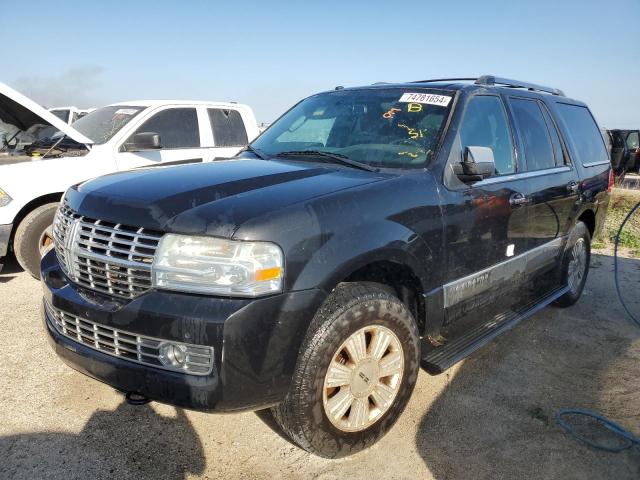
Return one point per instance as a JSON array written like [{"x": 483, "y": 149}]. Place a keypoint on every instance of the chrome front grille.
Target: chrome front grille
[
  {"x": 127, "y": 345},
  {"x": 107, "y": 257}
]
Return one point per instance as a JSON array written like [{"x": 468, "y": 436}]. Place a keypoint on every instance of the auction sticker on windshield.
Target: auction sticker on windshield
[{"x": 426, "y": 98}]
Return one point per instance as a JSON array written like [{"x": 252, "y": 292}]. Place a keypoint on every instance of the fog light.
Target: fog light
[{"x": 173, "y": 355}]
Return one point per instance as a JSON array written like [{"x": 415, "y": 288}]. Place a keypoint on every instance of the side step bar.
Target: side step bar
[{"x": 441, "y": 358}]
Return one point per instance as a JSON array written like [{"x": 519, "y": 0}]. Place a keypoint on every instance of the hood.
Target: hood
[
  {"x": 210, "y": 198},
  {"x": 22, "y": 112}
]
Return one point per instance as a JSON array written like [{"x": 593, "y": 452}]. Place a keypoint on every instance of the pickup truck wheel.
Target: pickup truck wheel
[
  {"x": 355, "y": 373},
  {"x": 575, "y": 266},
  {"x": 33, "y": 237}
]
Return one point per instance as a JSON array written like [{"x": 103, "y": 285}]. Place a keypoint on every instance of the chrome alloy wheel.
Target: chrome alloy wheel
[
  {"x": 363, "y": 378},
  {"x": 577, "y": 265}
]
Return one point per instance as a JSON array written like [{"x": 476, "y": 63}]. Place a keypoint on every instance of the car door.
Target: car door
[
  {"x": 553, "y": 190},
  {"x": 618, "y": 150},
  {"x": 486, "y": 223},
  {"x": 228, "y": 130},
  {"x": 179, "y": 132},
  {"x": 633, "y": 147}
]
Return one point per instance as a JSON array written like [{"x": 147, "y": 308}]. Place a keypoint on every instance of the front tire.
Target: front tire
[
  {"x": 575, "y": 265},
  {"x": 355, "y": 374},
  {"x": 33, "y": 237}
]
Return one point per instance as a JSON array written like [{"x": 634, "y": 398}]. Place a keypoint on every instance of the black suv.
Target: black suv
[{"x": 367, "y": 233}]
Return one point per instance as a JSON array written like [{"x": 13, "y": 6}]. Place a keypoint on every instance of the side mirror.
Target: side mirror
[
  {"x": 144, "y": 141},
  {"x": 478, "y": 163}
]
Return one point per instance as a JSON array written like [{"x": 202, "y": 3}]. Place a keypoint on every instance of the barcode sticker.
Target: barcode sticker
[{"x": 426, "y": 98}]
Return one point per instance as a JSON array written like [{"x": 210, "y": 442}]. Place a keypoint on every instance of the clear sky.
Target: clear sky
[{"x": 270, "y": 54}]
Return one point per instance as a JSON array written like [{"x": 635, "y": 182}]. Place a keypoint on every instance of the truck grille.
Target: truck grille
[
  {"x": 103, "y": 256},
  {"x": 126, "y": 345}
]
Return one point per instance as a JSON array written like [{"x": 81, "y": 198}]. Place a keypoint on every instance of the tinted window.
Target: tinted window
[
  {"x": 534, "y": 133},
  {"x": 178, "y": 127},
  {"x": 228, "y": 128},
  {"x": 616, "y": 139},
  {"x": 633, "y": 142},
  {"x": 555, "y": 137},
  {"x": 584, "y": 133},
  {"x": 485, "y": 125}
]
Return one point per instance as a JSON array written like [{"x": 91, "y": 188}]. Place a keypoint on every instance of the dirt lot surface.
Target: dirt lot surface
[{"x": 490, "y": 417}]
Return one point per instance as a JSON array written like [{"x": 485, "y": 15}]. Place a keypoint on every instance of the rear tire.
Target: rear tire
[
  {"x": 355, "y": 373},
  {"x": 575, "y": 265},
  {"x": 33, "y": 237}
]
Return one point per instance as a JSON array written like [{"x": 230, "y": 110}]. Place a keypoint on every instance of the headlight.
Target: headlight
[
  {"x": 217, "y": 266},
  {"x": 5, "y": 199}
]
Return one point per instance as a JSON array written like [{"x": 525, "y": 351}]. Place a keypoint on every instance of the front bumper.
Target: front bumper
[
  {"x": 255, "y": 341},
  {"x": 5, "y": 234}
]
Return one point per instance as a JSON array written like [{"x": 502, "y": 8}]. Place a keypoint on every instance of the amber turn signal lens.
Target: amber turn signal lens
[{"x": 268, "y": 274}]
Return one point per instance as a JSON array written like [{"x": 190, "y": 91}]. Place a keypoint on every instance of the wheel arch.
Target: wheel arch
[
  {"x": 588, "y": 217},
  {"x": 400, "y": 278},
  {"x": 29, "y": 207},
  {"x": 394, "y": 268}
]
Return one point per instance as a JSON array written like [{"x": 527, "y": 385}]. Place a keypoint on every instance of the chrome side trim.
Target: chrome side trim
[
  {"x": 595, "y": 164},
  {"x": 520, "y": 176},
  {"x": 508, "y": 270}
]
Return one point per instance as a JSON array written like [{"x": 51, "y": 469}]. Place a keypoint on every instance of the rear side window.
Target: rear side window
[
  {"x": 228, "y": 128},
  {"x": 534, "y": 133},
  {"x": 633, "y": 142},
  {"x": 555, "y": 137},
  {"x": 178, "y": 127},
  {"x": 584, "y": 133},
  {"x": 485, "y": 125}
]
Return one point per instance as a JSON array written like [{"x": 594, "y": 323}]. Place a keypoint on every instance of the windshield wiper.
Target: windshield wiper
[
  {"x": 260, "y": 154},
  {"x": 335, "y": 157}
]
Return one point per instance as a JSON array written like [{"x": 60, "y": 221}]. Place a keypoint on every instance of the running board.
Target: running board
[{"x": 439, "y": 359}]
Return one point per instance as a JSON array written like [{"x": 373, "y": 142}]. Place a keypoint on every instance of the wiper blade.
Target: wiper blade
[
  {"x": 261, "y": 155},
  {"x": 335, "y": 157}
]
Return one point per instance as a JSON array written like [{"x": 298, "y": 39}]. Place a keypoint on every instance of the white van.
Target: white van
[{"x": 34, "y": 173}]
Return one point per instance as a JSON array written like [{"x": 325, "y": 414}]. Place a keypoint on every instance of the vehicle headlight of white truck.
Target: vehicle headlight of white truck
[{"x": 5, "y": 199}]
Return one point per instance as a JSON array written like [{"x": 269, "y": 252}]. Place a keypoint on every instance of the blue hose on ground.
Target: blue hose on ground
[
  {"x": 615, "y": 265},
  {"x": 627, "y": 439}
]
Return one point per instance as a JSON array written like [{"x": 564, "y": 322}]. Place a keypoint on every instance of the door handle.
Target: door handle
[
  {"x": 518, "y": 199},
  {"x": 573, "y": 187}
]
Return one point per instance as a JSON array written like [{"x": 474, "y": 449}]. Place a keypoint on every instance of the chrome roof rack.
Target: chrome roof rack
[
  {"x": 460, "y": 79},
  {"x": 491, "y": 80}
]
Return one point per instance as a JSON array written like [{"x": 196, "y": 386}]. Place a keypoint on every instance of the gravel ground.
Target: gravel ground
[{"x": 489, "y": 417}]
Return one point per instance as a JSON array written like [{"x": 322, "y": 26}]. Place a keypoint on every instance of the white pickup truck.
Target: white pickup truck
[{"x": 122, "y": 136}]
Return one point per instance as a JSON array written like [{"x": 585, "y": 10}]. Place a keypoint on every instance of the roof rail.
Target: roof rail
[
  {"x": 490, "y": 80},
  {"x": 445, "y": 80}
]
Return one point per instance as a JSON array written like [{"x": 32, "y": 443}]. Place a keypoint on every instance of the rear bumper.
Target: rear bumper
[
  {"x": 255, "y": 341},
  {"x": 5, "y": 234}
]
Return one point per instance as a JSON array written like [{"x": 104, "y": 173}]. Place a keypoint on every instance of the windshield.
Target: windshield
[
  {"x": 103, "y": 123},
  {"x": 391, "y": 127}
]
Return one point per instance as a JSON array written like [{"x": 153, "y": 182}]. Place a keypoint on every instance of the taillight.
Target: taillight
[{"x": 611, "y": 179}]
